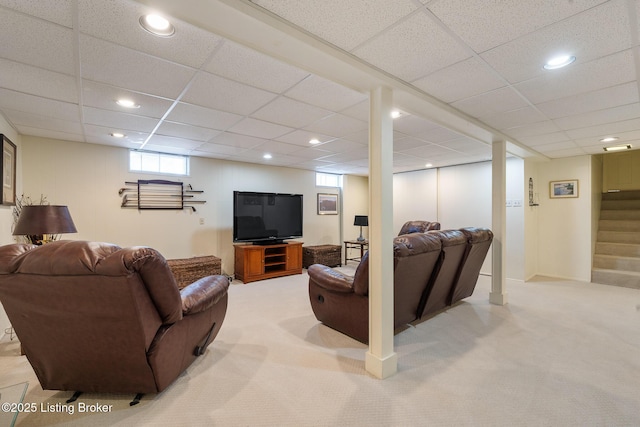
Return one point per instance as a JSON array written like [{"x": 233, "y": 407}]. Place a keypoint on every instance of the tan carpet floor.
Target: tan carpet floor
[{"x": 561, "y": 353}]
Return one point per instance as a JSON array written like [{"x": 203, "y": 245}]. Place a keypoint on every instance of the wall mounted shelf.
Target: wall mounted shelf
[{"x": 157, "y": 194}]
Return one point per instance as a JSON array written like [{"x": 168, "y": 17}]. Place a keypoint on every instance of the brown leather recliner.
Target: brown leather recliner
[
  {"x": 342, "y": 302},
  {"x": 418, "y": 226},
  {"x": 95, "y": 317}
]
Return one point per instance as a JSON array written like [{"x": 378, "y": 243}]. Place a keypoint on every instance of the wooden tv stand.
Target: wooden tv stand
[{"x": 258, "y": 262}]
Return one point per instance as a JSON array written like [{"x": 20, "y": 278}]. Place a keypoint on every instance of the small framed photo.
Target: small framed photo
[
  {"x": 327, "y": 204},
  {"x": 563, "y": 189},
  {"x": 8, "y": 171}
]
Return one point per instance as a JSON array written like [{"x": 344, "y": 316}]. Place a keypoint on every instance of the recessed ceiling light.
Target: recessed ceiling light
[
  {"x": 559, "y": 62},
  {"x": 395, "y": 114},
  {"x": 157, "y": 25},
  {"x": 618, "y": 147},
  {"x": 429, "y": 165},
  {"x": 267, "y": 156},
  {"x": 117, "y": 135},
  {"x": 609, "y": 139},
  {"x": 314, "y": 141},
  {"x": 127, "y": 103}
]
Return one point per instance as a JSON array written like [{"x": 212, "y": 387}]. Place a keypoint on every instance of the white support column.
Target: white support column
[
  {"x": 381, "y": 360},
  {"x": 498, "y": 294}
]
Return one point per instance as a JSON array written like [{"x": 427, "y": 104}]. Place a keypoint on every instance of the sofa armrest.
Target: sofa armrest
[
  {"x": 203, "y": 294},
  {"x": 330, "y": 279}
]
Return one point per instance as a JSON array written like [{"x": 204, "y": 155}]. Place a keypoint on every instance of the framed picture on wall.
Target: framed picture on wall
[
  {"x": 563, "y": 189},
  {"x": 327, "y": 204},
  {"x": 8, "y": 171}
]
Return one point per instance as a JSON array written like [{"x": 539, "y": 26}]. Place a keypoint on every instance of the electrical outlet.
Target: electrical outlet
[{"x": 201, "y": 221}]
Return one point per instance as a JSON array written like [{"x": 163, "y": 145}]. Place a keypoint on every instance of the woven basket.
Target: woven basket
[
  {"x": 329, "y": 255},
  {"x": 188, "y": 270}
]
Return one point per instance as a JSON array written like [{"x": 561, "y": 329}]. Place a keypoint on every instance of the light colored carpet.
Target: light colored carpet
[{"x": 561, "y": 353}]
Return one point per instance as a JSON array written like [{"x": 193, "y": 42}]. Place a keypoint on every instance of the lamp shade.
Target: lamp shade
[
  {"x": 44, "y": 219},
  {"x": 361, "y": 220}
]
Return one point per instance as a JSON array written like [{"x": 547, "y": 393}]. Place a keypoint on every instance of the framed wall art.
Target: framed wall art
[
  {"x": 327, "y": 204},
  {"x": 8, "y": 171},
  {"x": 563, "y": 189}
]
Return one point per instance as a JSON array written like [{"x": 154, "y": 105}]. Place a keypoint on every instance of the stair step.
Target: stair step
[
  {"x": 619, "y": 225},
  {"x": 618, "y": 237},
  {"x": 619, "y": 249},
  {"x": 614, "y": 262},
  {"x": 621, "y": 204},
  {"x": 627, "y": 279},
  {"x": 623, "y": 214},
  {"x": 622, "y": 195}
]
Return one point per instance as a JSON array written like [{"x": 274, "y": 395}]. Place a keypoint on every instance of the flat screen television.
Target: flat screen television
[{"x": 264, "y": 218}]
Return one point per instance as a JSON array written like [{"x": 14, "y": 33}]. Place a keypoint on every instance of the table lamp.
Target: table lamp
[
  {"x": 36, "y": 222},
  {"x": 362, "y": 221}
]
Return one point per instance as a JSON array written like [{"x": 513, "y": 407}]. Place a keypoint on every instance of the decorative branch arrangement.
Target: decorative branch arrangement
[{"x": 159, "y": 194}]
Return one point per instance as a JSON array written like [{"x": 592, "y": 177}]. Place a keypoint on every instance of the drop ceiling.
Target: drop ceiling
[{"x": 240, "y": 79}]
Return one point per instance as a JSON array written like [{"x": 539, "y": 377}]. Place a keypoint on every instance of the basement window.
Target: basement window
[
  {"x": 328, "y": 180},
  {"x": 149, "y": 161}
]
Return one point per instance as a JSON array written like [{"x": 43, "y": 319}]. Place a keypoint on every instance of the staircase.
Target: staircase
[{"x": 617, "y": 257}]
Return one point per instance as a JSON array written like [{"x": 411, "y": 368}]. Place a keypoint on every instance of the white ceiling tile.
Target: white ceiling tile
[
  {"x": 337, "y": 125},
  {"x": 341, "y": 145},
  {"x": 103, "y": 62},
  {"x": 326, "y": 94},
  {"x": 492, "y": 102},
  {"x": 50, "y": 133},
  {"x": 359, "y": 111},
  {"x": 437, "y": 134},
  {"x": 54, "y": 50},
  {"x": 413, "y": 48},
  {"x": 37, "y": 105},
  {"x": 239, "y": 63},
  {"x": 36, "y": 81},
  {"x": 606, "y": 129},
  {"x": 595, "y": 33},
  {"x": 105, "y": 96},
  {"x": 568, "y": 152},
  {"x": 56, "y": 11},
  {"x": 549, "y": 138},
  {"x": 311, "y": 153},
  {"x": 118, "y": 120},
  {"x": 220, "y": 149},
  {"x": 515, "y": 118},
  {"x": 458, "y": 81},
  {"x": 235, "y": 140},
  {"x": 21, "y": 118},
  {"x": 180, "y": 130},
  {"x": 302, "y": 137},
  {"x": 189, "y": 45},
  {"x": 497, "y": 22},
  {"x": 259, "y": 128},
  {"x": 203, "y": 117},
  {"x": 412, "y": 125},
  {"x": 209, "y": 90},
  {"x": 591, "y": 101},
  {"x": 408, "y": 143},
  {"x": 625, "y": 112},
  {"x": 540, "y": 128},
  {"x": 289, "y": 112},
  {"x": 101, "y": 134},
  {"x": 170, "y": 141},
  {"x": 278, "y": 147},
  {"x": 326, "y": 18},
  {"x": 580, "y": 78}
]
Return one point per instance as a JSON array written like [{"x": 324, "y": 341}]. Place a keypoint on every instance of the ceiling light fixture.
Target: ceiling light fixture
[
  {"x": 429, "y": 165},
  {"x": 314, "y": 141},
  {"x": 559, "y": 62},
  {"x": 395, "y": 114},
  {"x": 618, "y": 147},
  {"x": 127, "y": 103},
  {"x": 157, "y": 25},
  {"x": 609, "y": 139},
  {"x": 117, "y": 135},
  {"x": 267, "y": 156}
]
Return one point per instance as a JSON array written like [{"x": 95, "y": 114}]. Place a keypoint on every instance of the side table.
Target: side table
[{"x": 354, "y": 244}]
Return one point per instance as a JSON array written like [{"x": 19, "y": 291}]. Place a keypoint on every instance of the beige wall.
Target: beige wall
[
  {"x": 621, "y": 171},
  {"x": 86, "y": 177}
]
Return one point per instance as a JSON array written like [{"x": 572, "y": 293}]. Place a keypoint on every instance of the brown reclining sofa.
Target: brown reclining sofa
[
  {"x": 94, "y": 317},
  {"x": 432, "y": 271}
]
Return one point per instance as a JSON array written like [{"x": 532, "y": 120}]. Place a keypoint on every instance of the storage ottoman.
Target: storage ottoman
[
  {"x": 329, "y": 255},
  {"x": 188, "y": 270}
]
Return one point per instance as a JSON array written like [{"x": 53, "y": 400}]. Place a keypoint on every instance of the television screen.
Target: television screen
[{"x": 266, "y": 217}]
